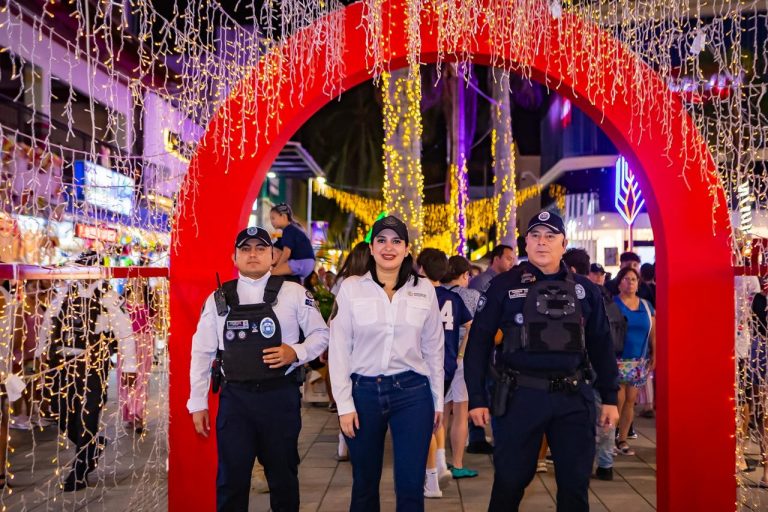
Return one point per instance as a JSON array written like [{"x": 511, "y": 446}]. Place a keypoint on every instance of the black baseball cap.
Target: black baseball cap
[
  {"x": 253, "y": 233},
  {"x": 548, "y": 220},
  {"x": 393, "y": 223},
  {"x": 596, "y": 268}
]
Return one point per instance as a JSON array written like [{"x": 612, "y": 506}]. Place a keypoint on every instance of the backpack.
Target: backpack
[{"x": 616, "y": 321}]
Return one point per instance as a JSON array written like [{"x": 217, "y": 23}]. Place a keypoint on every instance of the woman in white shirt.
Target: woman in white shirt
[{"x": 386, "y": 365}]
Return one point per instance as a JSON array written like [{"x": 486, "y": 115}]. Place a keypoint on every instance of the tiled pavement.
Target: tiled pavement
[
  {"x": 128, "y": 482},
  {"x": 326, "y": 484}
]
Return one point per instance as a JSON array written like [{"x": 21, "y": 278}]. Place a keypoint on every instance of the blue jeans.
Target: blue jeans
[
  {"x": 402, "y": 402},
  {"x": 604, "y": 439}
]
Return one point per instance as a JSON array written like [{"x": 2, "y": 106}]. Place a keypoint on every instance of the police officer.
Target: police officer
[
  {"x": 554, "y": 325},
  {"x": 84, "y": 326},
  {"x": 250, "y": 329}
]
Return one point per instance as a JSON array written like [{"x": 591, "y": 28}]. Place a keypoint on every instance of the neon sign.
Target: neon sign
[{"x": 629, "y": 200}]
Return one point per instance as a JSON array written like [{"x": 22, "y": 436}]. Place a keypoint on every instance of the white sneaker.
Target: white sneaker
[
  {"x": 432, "y": 493},
  {"x": 444, "y": 478},
  {"x": 20, "y": 423}
]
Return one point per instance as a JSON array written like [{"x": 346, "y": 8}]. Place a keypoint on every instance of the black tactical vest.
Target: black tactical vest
[
  {"x": 551, "y": 319},
  {"x": 248, "y": 330},
  {"x": 75, "y": 324}
]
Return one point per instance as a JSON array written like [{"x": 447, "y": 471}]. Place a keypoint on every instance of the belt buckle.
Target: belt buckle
[{"x": 556, "y": 384}]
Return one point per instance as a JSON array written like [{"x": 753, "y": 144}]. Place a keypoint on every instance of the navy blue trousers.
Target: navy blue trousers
[
  {"x": 403, "y": 403},
  {"x": 568, "y": 420},
  {"x": 263, "y": 424}
]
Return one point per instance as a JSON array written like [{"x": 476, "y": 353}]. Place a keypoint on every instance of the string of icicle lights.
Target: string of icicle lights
[{"x": 184, "y": 65}]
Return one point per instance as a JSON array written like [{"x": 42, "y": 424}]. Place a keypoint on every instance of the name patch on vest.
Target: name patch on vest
[
  {"x": 267, "y": 327},
  {"x": 417, "y": 294},
  {"x": 237, "y": 324},
  {"x": 518, "y": 293}
]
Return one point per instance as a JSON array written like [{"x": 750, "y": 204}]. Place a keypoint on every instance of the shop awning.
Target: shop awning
[{"x": 295, "y": 162}]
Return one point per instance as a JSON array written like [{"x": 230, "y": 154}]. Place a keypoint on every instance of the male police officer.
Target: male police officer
[
  {"x": 554, "y": 325},
  {"x": 251, "y": 327}
]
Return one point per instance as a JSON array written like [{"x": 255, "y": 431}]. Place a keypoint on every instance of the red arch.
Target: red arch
[{"x": 695, "y": 465}]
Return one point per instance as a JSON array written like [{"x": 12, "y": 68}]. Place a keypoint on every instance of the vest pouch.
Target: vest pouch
[
  {"x": 553, "y": 319},
  {"x": 513, "y": 339},
  {"x": 248, "y": 331}
]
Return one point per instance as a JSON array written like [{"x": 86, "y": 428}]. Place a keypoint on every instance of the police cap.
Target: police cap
[
  {"x": 253, "y": 233},
  {"x": 548, "y": 220},
  {"x": 393, "y": 223}
]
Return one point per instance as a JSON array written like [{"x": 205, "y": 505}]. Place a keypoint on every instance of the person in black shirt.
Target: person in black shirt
[
  {"x": 543, "y": 379},
  {"x": 293, "y": 251}
]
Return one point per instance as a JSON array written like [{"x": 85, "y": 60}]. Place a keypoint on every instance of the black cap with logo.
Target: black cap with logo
[
  {"x": 393, "y": 223},
  {"x": 548, "y": 220},
  {"x": 253, "y": 233},
  {"x": 596, "y": 268}
]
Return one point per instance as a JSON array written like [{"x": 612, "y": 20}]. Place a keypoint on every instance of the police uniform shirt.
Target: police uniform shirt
[
  {"x": 111, "y": 319},
  {"x": 295, "y": 309},
  {"x": 502, "y": 305},
  {"x": 371, "y": 336}
]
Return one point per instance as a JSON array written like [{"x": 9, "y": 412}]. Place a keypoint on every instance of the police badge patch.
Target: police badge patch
[
  {"x": 267, "y": 327},
  {"x": 544, "y": 216},
  {"x": 481, "y": 302},
  {"x": 241, "y": 335},
  {"x": 518, "y": 293},
  {"x": 580, "y": 292},
  {"x": 519, "y": 319},
  {"x": 252, "y": 231},
  {"x": 230, "y": 335}
]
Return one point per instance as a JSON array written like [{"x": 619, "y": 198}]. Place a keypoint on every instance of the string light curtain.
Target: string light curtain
[{"x": 129, "y": 58}]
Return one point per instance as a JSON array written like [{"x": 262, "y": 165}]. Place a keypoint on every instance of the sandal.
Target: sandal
[{"x": 624, "y": 448}]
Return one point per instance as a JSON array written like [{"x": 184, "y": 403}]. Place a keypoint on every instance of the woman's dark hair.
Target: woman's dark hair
[
  {"x": 356, "y": 263},
  {"x": 457, "y": 266},
  {"x": 624, "y": 271},
  {"x": 406, "y": 272}
]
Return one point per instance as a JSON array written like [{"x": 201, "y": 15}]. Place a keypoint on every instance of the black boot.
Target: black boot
[
  {"x": 604, "y": 474},
  {"x": 95, "y": 454},
  {"x": 480, "y": 447},
  {"x": 73, "y": 483}
]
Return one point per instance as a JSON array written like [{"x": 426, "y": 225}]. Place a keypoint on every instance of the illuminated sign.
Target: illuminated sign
[
  {"x": 629, "y": 199},
  {"x": 745, "y": 207},
  {"x": 104, "y": 188},
  {"x": 177, "y": 147},
  {"x": 95, "y": 233}
]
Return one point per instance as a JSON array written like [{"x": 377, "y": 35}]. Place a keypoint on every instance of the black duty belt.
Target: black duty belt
[
  {"x": 554, "y": 384},
  {"x": 257, "y": 386}
]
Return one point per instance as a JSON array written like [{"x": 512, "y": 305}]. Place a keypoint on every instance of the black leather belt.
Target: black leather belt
[
  {"x": 262, "y": 385},
  {"x": 569, "y": 383}
]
